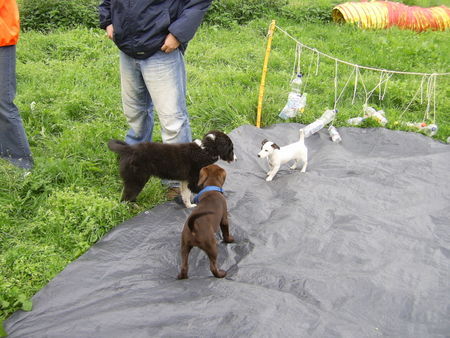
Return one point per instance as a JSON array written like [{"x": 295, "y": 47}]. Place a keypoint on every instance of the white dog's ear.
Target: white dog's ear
[
  {"x": 275, "y": 146},
  {"x": 264, "y": 141}
]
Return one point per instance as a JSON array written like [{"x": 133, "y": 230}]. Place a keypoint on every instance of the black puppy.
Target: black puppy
[{"x": 176, "y": 161}]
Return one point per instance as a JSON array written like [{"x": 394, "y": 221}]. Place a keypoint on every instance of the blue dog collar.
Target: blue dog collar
[{"x": 206, "y": 189}]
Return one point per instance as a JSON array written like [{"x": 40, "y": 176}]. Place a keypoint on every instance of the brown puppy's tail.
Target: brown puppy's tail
[
  {"x": 193, "y": 217},
  {"x": 119, "y": 147}
]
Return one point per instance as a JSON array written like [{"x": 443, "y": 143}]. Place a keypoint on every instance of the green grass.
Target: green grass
[{"x": 71, "y": 198}]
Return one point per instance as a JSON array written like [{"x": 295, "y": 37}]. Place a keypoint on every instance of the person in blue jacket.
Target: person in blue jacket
[{"x": 152, "y": 36}]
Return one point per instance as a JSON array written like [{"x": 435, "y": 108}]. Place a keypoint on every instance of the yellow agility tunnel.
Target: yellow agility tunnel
[{"x": 385, "y": 14}]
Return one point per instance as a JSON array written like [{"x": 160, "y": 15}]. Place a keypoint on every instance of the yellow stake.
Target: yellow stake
[{"x": 263, "y": 77}]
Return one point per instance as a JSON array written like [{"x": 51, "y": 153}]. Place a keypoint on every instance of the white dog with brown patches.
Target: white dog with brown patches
[{"x": 277, "y": 156}]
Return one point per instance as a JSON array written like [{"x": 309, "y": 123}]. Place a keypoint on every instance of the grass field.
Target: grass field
[{"x": 71, "y": 198}]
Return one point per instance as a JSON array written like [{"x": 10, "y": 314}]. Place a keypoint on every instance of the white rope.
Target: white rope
[
  {"x": 420, "y": 89},
  {"x": 379, "y": 85},
  {"x": 356, "y": 83},
  {"x": 434, "y": 100},
  {"x": 355, "y": 65},
  {"x": 335, "y": 83},
  {"x": 385, "y": 86},
  {"x": 364, "y": 86},
  {"x": 385, "y": 75},
  {"x": 318, "y": 61},
  {"x": 380, "y": 81},
  {"x": 299, "y": 51},
  {"x": 308, "y": 73},
  {"x": 343, "y": 89},
  {"x": 429, "y": 84},
  {"x": 431, "y": 97},
  {"x": 295, "y": 62}
]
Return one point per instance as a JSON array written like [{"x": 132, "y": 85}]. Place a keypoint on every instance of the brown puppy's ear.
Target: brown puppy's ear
[
  {"x": 275, "y": 146},
  {"x": 222, "y": 176},
  {"x": 264, "y": 141},
  {"x": 203, "y": 176}
]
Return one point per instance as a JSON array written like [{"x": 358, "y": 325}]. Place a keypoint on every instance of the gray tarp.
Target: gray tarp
[{"x": 359, "y": 246}]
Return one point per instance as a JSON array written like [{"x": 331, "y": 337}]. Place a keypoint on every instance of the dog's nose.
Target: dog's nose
[{"x": 259, "y": 155}]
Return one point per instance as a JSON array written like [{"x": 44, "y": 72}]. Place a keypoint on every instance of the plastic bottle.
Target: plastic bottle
[
  {"x": 302, "y": 103},
  {"x": 313, "y": 127},
  {"x": 429, "y": 129},
  {"x": 334, "y": 134},
  {"x": 368, "y": 111},
  {"x": 296, "y": 101},
  {"x": 292, "y": 106},
  {"x": 376, "y": 115},
  {"x": 318, "y": 124},
  {"x": 379, "y": 117},
  {"x": 296, "y": 84},
  {"x": 356, "y": 121},
  {"x": 328, "y": 115}
]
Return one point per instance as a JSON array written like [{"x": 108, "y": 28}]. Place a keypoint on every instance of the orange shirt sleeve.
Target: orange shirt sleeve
[{"x": 9, "y": 22}]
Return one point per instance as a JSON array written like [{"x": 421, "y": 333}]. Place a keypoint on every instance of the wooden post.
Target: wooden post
[{"x": 264, "y": 71}]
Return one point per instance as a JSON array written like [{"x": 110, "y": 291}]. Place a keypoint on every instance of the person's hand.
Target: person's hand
[
  {"x": 110, "y": 31},
  {"x": 170, "y": 44}
]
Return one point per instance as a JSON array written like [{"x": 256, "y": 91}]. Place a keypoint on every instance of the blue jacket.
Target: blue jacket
[{"x": 141, "y": 26}]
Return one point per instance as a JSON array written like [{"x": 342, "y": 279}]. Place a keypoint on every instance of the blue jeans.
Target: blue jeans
[
  {"x": 14, "y": 145},
  {"x": 156, "y": 83}
]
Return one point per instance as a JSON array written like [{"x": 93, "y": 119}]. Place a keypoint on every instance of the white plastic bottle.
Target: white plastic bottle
[
  {"x": 334, "y": 134},
  {"x": 376, "y": 115},
  {"x": 328, "y": 115},
  {"x": 302, "y": 103},
  {"x": 368, "y": 111},
  {"x": 318, "y": 124},
  {"x": 313, "y": 127},
  {"x": 296, "y": 101},
  {"x": 379, "y": 118},
  {"x": 429, "y": 129},
  {"x": 296, "y": 84},
  {"x": 292, "y": 106},
  {"x": 356, "y": 121}
]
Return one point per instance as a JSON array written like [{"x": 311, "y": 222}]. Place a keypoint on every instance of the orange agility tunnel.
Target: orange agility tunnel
[{"x": 385, "y": 14}]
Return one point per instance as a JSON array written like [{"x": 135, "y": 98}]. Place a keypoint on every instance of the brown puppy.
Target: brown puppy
[{"x": 203, "y": 223}]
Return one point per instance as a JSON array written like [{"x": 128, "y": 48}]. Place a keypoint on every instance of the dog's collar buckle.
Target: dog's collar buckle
[{"x": 206, "y": 189}]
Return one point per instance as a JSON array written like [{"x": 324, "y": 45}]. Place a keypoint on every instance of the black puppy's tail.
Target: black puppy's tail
[
  {"x": 193, "y": 217},
  {"x": 118, "y": 146}
]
